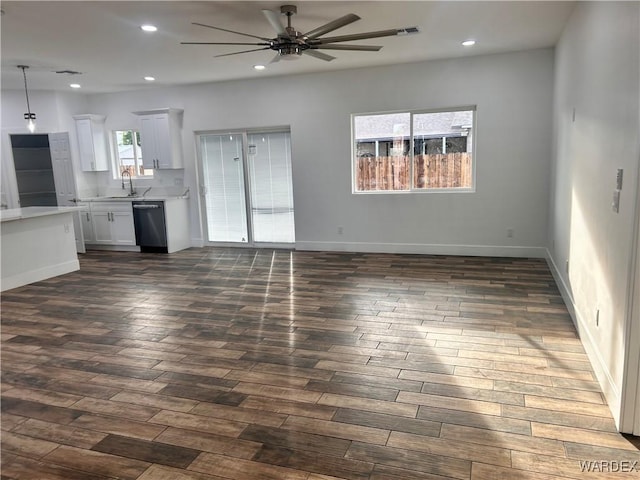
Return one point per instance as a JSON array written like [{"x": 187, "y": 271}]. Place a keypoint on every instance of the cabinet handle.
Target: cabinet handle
[
  {"x": 93, "y": 165},
  {"x": 88, "y": 219},
  {"x": 110, "y": 216}
]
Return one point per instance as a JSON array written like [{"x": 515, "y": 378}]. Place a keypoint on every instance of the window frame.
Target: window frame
[
  {"x": 138, "y": 162},
  {"x": 412, "y": 189}
]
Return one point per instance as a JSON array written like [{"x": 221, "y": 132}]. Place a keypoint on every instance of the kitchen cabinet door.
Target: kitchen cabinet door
[
  {"x": 148, "y": 142},
  {"x": 92, "y": 143},
  {"x": 164, "y": 150},
  {"x": 161, "y": 138},
  {"x": 113, "y": 223},
  {"x": 122, "y": 229},
  {"x": 102, "y": 227},
  {"x": 87, "y": 227}
]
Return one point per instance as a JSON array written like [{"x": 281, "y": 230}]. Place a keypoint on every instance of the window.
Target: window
[
  {"x": 129, "y": 154},
  {"x": 413, "y": 151}
]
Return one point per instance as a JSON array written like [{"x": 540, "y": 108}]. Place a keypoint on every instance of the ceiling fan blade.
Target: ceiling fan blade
[
  {"x": 331, "y": 26},
  {"x": 222, "y": 43},
  {"x": 243, "y": 51},
  {"x": 320, "y": 55},
  {"x": 274, "y": 19},
  {"x": 231, "y": 31},
  {"x": 364, "y": 36},
  {"x": 363, "y": 48}
]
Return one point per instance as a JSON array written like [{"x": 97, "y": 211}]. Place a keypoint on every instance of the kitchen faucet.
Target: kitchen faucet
[{"x": 132, "y": 192}]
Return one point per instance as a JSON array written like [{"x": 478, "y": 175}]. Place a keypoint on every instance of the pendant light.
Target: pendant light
[{"x": 29, "y": 116}]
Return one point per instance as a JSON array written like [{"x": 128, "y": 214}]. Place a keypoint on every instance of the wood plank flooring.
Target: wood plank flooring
[{"x": 213, "y": 364}]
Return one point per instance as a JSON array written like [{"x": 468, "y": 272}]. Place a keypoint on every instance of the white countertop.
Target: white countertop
[
  {"x": 124, "y": 198},
  {"x": 32, "y": 212}
]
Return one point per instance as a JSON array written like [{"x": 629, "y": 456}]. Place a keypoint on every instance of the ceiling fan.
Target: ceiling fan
[{"x": 290, "y": 43}]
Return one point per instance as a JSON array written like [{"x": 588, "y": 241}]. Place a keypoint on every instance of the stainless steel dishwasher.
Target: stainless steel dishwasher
[{"x": 150, "y": 225}]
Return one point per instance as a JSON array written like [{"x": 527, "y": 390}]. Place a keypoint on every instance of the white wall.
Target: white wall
[
  {"x": 513, "y": 94},
  {"x": 597, "y": 75}
]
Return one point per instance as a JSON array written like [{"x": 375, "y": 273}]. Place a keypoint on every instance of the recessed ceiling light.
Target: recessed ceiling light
[
  {"x": 149, "y": 79},
  {"x": 469, "y": 43},
  {"x": 74, "y": 85},
  {"x": 259, "y": 67},
  {"x": 149, "y": 28}
]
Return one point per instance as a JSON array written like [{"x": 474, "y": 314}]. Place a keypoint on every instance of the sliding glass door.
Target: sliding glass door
[
  {"x": 269, "y": 158},
  {"x": 224, "y": 188},
  {"x": 247, "y": 187}
]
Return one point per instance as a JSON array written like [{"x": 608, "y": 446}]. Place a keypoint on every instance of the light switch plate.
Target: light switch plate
[{"x": 619, "y": 179}]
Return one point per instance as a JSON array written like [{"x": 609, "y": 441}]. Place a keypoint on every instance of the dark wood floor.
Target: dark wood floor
[{"x": 241, "y": 364}]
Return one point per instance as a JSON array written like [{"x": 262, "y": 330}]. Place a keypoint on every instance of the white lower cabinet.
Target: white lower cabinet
[
  {"x": 109, "y": 225},
  {"x": 112, "y": 224},
  {"x": 86, "y": 220}
]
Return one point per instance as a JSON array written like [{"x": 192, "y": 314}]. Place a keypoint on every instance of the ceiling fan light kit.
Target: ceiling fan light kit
[{"x": 290, "y": 44}]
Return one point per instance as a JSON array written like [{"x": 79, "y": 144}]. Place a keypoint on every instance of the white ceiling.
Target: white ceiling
[{"x": 104, "y": 42}]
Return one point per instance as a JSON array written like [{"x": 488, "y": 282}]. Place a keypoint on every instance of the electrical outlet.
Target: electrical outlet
[
  {"x": 340, "y": 230},
  {"x": 510, "y": 232},
  {"x": 177, "y": 182},
  {"x": 615, "y": 203}
]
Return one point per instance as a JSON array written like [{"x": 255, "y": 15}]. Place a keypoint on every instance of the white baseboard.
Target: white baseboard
[
  {"x": 425, "y": 249},
  {"x": 611, "y": 391},
  {"x": 115, "y": 248},
  {"x": 197, "y": 242},
  {"x": 32, "y": 276}
]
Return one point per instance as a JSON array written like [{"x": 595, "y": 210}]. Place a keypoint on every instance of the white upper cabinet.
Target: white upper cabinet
[
  {"x": 92, "y": 143},
  {"x": 161, "y": 138}
]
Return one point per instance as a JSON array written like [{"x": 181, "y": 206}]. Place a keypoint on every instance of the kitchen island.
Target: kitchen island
[{"x": 36, "y": 243}]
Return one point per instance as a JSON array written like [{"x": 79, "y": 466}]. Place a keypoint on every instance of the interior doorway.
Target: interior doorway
[{"x": 247, "y": 187}]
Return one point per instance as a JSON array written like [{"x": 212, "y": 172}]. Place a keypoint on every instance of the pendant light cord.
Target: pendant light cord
[{"x": 26, "y": 90}]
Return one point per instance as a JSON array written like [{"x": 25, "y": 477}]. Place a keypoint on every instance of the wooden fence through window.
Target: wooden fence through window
[{"x": 451, "y": 170}]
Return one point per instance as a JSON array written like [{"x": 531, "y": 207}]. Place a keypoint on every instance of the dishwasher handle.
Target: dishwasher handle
[{"x": 145, "y": 207}]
